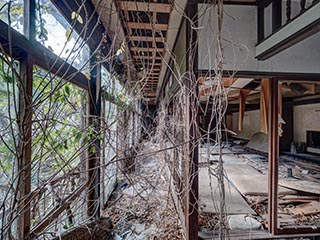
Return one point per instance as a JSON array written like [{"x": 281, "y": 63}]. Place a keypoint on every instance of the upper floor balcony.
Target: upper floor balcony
[{"x": 282, "y": 24}]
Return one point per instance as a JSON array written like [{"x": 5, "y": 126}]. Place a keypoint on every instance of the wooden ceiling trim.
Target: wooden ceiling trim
[
  {"x": 147, "y": 26},
  {"x": 147, "y": 39},
  {"x": 147, "y": 64},
  {"x": 227, "y": 82},
  {"x": 144, "y": 49},
  {"x": 145, "y": 6},
  {"x": 147, "y": 57}
]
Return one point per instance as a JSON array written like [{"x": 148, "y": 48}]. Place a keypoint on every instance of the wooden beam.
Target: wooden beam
[
  {"x": 231, "y": 2},
  {"x": 144, "y": 6},
  {"x": 260, "y": 74},
  {"x": 145, "y": 63},
  {"x": 147, "y": 26},
  {"x": 227, "y": 83},
  {"x": 25, "y": 124},
  {"x": 146, "y": 57},
  {"x": 144, "y": 49},
  {"x": 242, "y": 106},
  {"x": 192, "y": 183},
  {"x": 41, "y": 56},
  {"x": 317, "y": 82},
  {"x": 147, "y": 39},
  {"x": 152, "y": 94}
]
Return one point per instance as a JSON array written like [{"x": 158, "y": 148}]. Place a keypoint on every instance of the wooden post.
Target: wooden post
[
  {"x": 260, "y": 23},
  {"x": 273, "y": 156},
  {"x": 191, "y": 208},
  {"x": 25, "y": 129},
  {"x": 25, "y": 125},
  {"x": 288, "y": 10},
  {"x": 276, "y": 15},
  {"x": 242, "y": 106},
  {"x": 93, "y": 166}
]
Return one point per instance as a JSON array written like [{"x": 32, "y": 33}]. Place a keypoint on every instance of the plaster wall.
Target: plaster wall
[
  {"x": 239, "y": 34},
  {"x": 251, "y": 124},
  {"x": 306, "y": 117}
]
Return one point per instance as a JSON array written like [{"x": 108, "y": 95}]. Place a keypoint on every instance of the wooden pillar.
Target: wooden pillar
[
  {"x": 191, "y": 208},
  {"x": 273, "y": 156},
  {"x": 25, "y": 125},
  {"x": 242, "y": 106},
  {"x": 93, "y": 165},
  {"x": 25, "y": 130}
]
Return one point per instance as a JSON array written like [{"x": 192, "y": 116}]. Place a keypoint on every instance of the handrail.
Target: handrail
[
  {"x": 54, "y": 213},
  {"x": 287, "y": 15}
]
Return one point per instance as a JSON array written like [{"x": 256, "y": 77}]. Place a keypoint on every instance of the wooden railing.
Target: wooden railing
[
  {"x": 279, "y": 18},
  {"x": 54, "y": 198},
  {"x": 302, "y": 8}
]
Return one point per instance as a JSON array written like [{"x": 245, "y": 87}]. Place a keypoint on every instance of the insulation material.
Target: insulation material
[
  {"x": 310, "y": 87},
  {"x": 281, "y": 121}
]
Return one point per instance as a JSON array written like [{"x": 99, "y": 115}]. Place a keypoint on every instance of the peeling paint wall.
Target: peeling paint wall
[
  {"x": 306, "y": 117},
  {"x": 251, "y": 124}
]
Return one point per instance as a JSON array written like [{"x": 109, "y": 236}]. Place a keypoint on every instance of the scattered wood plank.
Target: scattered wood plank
[
  {"x": 306, "y": 209},
  {"x": 301, "y": 185},
  {"x": 249, "y": 181},
  {"x": 296, "y": 197}
]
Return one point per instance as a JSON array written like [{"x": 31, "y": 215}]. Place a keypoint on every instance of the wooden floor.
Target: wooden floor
[{"x": 209, "y": 203}]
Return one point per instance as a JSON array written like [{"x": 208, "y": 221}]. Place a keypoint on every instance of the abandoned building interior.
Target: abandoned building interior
[{"x": 159, "y": 119}]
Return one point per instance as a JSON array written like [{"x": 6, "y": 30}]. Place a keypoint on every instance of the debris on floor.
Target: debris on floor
[
  {"x": 142, "y": 207},
  {"x": 247, "y": 172},
  {"x": 243, "y": 222}
]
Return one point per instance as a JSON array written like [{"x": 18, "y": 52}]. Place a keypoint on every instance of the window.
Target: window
[
  {"x": 56, "y": 33},
  {"x": 106, "y": 80},
  {"x": 8, "y": 136},
  {"x": 58, "y": 146},
  {"x": 12, "y": 10}
]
